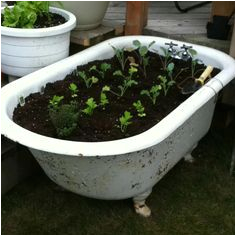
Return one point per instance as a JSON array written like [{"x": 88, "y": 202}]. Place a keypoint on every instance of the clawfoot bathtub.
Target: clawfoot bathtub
[{"x": 126, "y": 168}]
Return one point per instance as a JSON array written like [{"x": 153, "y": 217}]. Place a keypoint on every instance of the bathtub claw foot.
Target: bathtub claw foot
[
  {"x": 142, "y": 209},
  {"x": 189, "y": 158},
  {"x": 139, "y": 204}
]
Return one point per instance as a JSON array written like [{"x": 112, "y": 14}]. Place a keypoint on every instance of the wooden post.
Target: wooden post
[
  {"x": 136, "y": 17},
  {"x": 222, "y": 8}
]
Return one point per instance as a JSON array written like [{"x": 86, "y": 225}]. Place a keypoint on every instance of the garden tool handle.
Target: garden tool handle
[{"x": 206, "y": 73}]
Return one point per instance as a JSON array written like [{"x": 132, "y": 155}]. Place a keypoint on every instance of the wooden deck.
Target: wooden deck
[{"x": 166, "y": 21}]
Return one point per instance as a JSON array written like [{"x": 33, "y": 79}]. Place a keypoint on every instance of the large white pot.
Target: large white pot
[
  {"x": 126, "y": 168},
  {"x": 89, "y": 14},
  {"x": 26, "y": 50}
]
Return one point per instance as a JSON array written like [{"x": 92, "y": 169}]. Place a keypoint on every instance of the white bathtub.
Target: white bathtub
[{"x": 126, "y": 168}]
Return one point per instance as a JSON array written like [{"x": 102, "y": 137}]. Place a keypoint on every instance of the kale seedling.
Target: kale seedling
[
  {"x": 194, "y": 61},
  {"x": 120, "y": 55},
  {"x": 139, "y": 108},
  {"x": 125, "y": 120},
  {"x": 91, "y": 105},
  {"x": 167, "y": 58},
  {"x": 143, "y": 51},
  {"x": 88, "y": 81},
  {"x": 74, "y": 90},
  {"x": 153, "y": 93},
  {"x": 165, "y": 84},
  {"x": 104, "y": 67}
]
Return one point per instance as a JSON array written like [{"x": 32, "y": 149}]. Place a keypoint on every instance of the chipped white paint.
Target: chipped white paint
[
  {"x": 26, "y": 50},
  {"x": 126, "y": 168}
]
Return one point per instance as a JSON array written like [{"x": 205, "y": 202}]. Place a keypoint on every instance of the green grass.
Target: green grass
[{"x": 193, "y": 198}]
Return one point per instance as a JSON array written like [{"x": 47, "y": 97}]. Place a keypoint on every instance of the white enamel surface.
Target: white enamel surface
[
  {"x": 33, "y": 82},
  {"x": 24, "y": 51}
]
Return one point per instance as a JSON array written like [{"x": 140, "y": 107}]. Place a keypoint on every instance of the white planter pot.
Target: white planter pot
[
  {"x": 126, "y": 168},
  {"x": 26, "y": 50},
  {"x": 89, "y": 14}
]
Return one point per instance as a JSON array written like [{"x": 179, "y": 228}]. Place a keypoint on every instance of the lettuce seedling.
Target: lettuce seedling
[
  {"x": 165, "y": 84},
  {"x": 88, "y": 81},
  {"x": 153, "y": 93},
  {"x": 104, "y": 67},
  {"x": 24, "y": 13},
  {"x": 91, "y": 105},
  {"x": 139, "y": 108},
  {"x": 74, "y": 90},
  {"x": 125, "y": 121}
]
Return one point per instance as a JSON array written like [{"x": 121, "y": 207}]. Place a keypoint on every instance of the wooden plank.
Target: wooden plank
[
  {"x": 136, "y": 17},
  {"x": 90, "y": 37}
]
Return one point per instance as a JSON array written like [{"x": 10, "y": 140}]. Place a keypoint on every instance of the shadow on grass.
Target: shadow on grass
[{"x": 193, "y": 198}]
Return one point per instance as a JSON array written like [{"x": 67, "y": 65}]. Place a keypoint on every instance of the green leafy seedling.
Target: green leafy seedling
[
  {"x": 91, "y": 105},
  {"x": 64, "y": 119},
  {"x": 103, "y": 100},
  {"x": 165, "y": 84},
  {"x": 125, "y": 121},
  {"x": 88, "y": 81},
  {"x": 104, "y": 67},
  {"x": 24, "y": 13},
  {"x": 143, "y": 51},
  {"x": 55, "y": 101},
  {"x": 153, "y": 93},
  {"x": 139, "y": 108},
  {"x": 120, "y": 55},
  {"x": 74, "y": 90}
]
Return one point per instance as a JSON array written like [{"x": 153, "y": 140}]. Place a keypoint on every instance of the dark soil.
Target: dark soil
[
  {"x": 53, "y": 20},
  {"x": 102, "y": 125}
]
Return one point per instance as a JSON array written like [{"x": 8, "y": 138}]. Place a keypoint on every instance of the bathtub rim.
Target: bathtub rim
[{"x": 122, "y": 146}]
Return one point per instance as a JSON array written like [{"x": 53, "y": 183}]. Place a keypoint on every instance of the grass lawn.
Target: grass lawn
[{"x": 193, "y": 198}]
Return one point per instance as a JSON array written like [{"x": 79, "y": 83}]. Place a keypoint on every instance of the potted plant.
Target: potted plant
[
  {"x": 89, "y": 14},
  {"x": 131, "y": 160},
  {"x": 26, "y": 44}
]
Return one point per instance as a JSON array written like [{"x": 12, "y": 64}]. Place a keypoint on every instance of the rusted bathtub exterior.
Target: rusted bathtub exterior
[{"x": 126, "y": 168}]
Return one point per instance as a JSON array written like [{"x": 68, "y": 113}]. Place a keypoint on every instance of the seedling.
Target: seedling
[
  {"x": 165, "y": 84},
  {"x": 153, "y": 93},
  {"x": 74, "y": 90},
  {"x": 120, "y": 55},
  {"x": 103, "y": 100},
  {"x": 54, "y": 102},
  {"x": 125, "y": 121},
  {"x": 104, "y": 67},
  {"x": 88, "y": 81},
  {"x": 127, "y": 82},
  {"x": 167, "y": 58},
  {"x": 139, "y": 108},
  {"x": 64, "y": 118},
  {"x": 143, "y": 51},
  {"x": 170, "y": 69},
  {"x": 91, "y": 105},
  {"x": 194, "y": 61}
]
